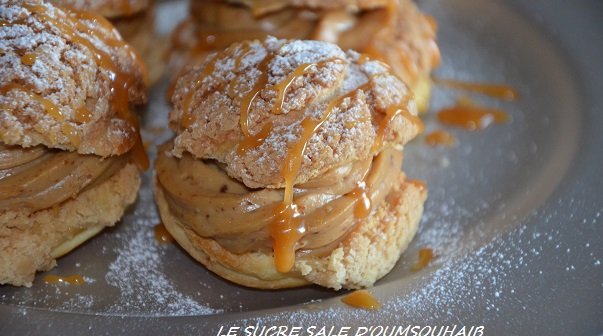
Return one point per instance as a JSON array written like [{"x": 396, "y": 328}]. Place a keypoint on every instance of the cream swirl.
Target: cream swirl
[
  {"x": 203, "y": 197},
  {"x": 39, "y": 178}
]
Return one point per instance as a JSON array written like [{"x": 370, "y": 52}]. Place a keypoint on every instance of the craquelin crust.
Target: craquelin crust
[
  {"x": 66, "y": 75},
  {"x": 27, "y": 240},
  {"x": 365, "y": 255},
  {"x": 347, "y": 135}
]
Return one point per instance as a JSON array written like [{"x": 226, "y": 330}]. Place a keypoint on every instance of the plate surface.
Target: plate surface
[{"x": 514, "y": 211}]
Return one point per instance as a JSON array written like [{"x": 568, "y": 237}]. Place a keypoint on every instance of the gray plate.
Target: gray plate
[{"x": 514, "y": 211}]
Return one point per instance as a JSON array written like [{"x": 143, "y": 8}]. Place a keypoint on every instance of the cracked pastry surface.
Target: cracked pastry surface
[
  {"x": 70, "y": 148},
  {"x": 212, "y": 116},
  {"x": 286, "y": 165},
  {"x": 67, "y": 81}
]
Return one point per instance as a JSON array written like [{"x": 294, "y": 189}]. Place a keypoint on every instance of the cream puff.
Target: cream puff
[
  {"x": 69, "y": 143},
  {"x": 285, "y": 169},
  {"x": 393, "y": 31}
]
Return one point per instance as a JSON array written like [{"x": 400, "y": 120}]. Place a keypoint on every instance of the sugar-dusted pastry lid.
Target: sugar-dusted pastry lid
[
  {"x": 268, "y": 88},
  {"x": 67, "y": 81}
]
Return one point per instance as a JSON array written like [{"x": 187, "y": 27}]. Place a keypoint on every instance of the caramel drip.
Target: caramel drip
[
  {"x": 364, "y": 58},
  {"x": 440, "y": 138},
  {"x": 121, "y": 82},
  {"x": 187, "y": 116},
  {"x": 426, "y": 255},
  {"x": 49, "y": 106},
  {"x": 250, "y": 141},
  {"x": 362, "y": 206},
  {"x": 75, "y": 280},
  {"x": 471, "y": 117},
  {"x": 248, "y": 99},
  {"x": 28, "y": 59},
  {"x": 162, "y": 236},
  {"x": 139, "y": 154},
  {"x": 71, "y": 133},
  {"x": 418, "y": 183},
  {"x": 83, "y": 115},
  {"x": 361, "y": 299},
  {"x": 254, "y": 141},
  {"x": 390, "y": 114},
  {"x": 287, "y": 228},
  {"x": 499, "y": 91}
]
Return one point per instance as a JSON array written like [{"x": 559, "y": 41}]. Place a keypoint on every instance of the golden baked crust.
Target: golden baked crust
[
  {"x": 106, "y": 8},
  {"x": 56, "y": 81},
  {"x": 30, "y": 242},
  {"x": 365, "y": 255},
  {"x": 214, "y": 107}
]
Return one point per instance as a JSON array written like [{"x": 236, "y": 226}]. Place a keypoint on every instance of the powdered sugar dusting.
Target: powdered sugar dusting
[{"x": 138, "y": 274}]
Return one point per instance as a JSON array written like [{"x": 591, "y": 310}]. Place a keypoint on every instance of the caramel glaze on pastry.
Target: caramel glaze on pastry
[
  {"x": 69, "y": 143},
  {"x": 393, "y": 31},
  {"x": 285, "y": 169}
]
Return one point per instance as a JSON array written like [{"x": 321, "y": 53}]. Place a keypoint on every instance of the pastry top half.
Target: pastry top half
[
  {"x": 106, "y": 8},
  {"x": 250, "y": 106},
  {"x": 67, "y": 81}
]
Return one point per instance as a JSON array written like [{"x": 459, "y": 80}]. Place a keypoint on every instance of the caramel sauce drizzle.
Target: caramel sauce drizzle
[
  {"x": 361, "y": 299},
  {"x": 187, "y": 116},
  {"x": 75, "y": 279},
  {"x": 254, "y": 141},
  {"x": 287, "y": 228},
  {"x": 391, "y": 113},
  {"x": 121, "y": 81},
  {"x": 283, "y": 86},
  {"x": 49, "y": 106},
  {"x": 471, "y": 117},
  {"x": 426, "y": 255},
  {"x": 162, "y": 236},
  {"x": 440, "y": 138},
  {"x": 83, "y": 115},
  {"x": 248, "y": 99},
  {"x": 362, "y": 205},
  {"x": 28, "y": 59},
  {"x": 71, "y": 133},
  {"x": 499, "y": 91}
]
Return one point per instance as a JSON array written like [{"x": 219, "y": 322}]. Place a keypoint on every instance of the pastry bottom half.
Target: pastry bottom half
[{"x": 31, "y": 242}]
